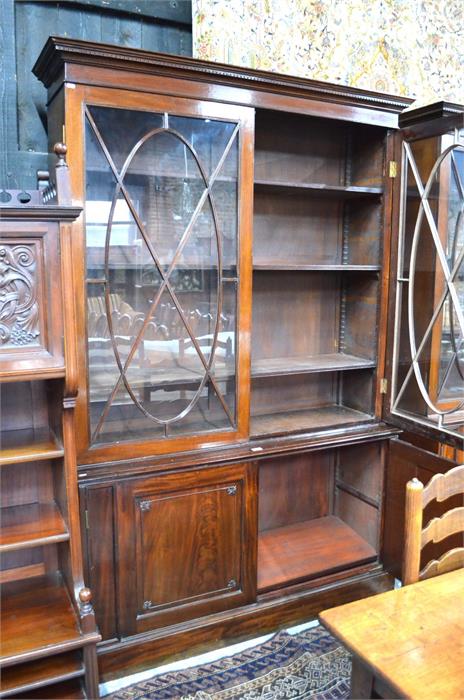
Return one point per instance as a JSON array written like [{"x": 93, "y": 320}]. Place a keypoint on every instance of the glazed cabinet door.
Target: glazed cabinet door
[
  {"x": 186, "y": 544},
  {"x": 427, "y": 367},
  {"x": 166, "y": 243}
]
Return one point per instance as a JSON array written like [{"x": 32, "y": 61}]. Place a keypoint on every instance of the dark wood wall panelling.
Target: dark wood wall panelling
[{"x": 156, "y": 25}]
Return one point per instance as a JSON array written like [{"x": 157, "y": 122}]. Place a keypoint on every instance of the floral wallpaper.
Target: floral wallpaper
[{"x": 405, "y": 47}]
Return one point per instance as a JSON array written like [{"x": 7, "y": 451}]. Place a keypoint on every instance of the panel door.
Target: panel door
[
  {"x": 30, "y": 303},
  {"x": 187, "y": 546}
]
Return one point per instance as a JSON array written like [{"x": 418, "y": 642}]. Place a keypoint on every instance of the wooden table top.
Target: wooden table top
[{"x": 411, "y": 638}]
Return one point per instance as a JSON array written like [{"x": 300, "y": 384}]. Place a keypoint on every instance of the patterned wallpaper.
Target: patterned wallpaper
[{"x": 405, "y": 47}]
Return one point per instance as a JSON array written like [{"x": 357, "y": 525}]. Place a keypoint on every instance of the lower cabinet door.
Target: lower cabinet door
[{"x": 187, "y": 545}]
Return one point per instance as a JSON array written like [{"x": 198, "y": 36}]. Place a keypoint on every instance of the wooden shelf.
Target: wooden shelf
[
  {"x": 319, "y": 190},
  {"x": 311, "y": 419},
  {"x": 280, "y": 366},
  {"x": 71, "y": 690},
  {"x": 330, "y": 362},
  {"x": 28, "y": 373},
  {"x": 31, "y": 525},
  {"x": 37, "y": 618},
  {"x": 43, "y": 672},
  {"x": 28, "y": 446},
  {"x": 159, "y": 378},
  {"x": 302, "y": 267},
  {"x": 309, "y": 549}
]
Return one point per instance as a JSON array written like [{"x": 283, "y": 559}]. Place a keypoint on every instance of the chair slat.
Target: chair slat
[
  {"x": 440, "y": 528},
  {"x": 451, "y": 560},
  {"x": 443, "y": 486}
]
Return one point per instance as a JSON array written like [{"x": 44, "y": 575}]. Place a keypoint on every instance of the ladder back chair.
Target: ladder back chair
[{"x": 440, "y": 488}]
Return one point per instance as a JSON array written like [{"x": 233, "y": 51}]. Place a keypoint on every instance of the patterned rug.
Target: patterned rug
[{"x": 310, "y": 665}]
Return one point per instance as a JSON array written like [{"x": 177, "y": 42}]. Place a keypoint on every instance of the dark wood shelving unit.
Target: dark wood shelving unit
[
  {"x": 29, "y": 445},
  {"x": 309, "y": 549},
  {"x": 282, "y": 448},
  {"x": 43, "y": 672},
  {"x": 31, "y": 525}
]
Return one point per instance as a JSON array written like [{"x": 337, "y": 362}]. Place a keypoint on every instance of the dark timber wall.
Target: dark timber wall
[{"x": 157, "y": 25}]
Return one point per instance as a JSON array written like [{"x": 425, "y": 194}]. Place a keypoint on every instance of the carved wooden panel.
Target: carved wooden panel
[
  {"x": 186, "y": 546},
  {"x": 30, "y": 300},
  {"x": 19, "y": 282}
]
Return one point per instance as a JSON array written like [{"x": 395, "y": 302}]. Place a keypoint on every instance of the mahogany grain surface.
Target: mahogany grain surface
[
  {"x": 412, "y": 639},
  {"x": 325, "y": 362},
  {"x": 294, "y": 421},
  {"x": 307, "y": 549},
  {"x": 41, "y": 672},
  {"x": 318, "y": 189},
  {"x": 36, "y": 615},
  {"x": 265, "y": 264},
  {"x": 71, "y": 690},
  {"x": 31, "y": 525},
  {"x": 28, "y": 445}
]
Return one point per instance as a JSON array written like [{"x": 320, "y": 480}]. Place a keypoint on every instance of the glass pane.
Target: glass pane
[
  {"x": 208, "y": 138},
  {"x": 99, "y": 192},
  {"x": 225, "y": 355},
  {"x": 224, "y": 196},
  {"x": 122, "y": 129},
  {"x": 162, "y": 322},
  {"x": 165, "y": 180},
  {"x": 430, "y": 331}
]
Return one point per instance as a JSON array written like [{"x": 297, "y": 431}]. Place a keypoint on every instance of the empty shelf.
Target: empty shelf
[
  {"x": 31, "y": 525},
  {"x": 317, "y": 189},
  {"x": 71, "y": 690},
  {"x": 37, "y": 617},
  {"x": 299, "y": 266},
  {"x": 309, "y": 549},
  {"x": 36, "y": 674},
  {"x": 28, "y": 445},
  {"x": 310, "y": 419},
  {"x": 40, "y": 370},
  {"x": 330, "y": 362}
]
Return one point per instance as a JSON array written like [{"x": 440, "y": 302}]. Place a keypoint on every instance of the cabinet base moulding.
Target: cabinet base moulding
[{"x": 145, "y": 650}]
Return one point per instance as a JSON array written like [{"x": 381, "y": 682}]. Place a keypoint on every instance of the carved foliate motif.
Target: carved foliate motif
[{"x": 19, "y": 310}]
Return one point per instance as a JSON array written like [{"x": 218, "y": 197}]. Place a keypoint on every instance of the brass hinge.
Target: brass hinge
[
  {"x": 383, "y": 385},
  {"x": 392, "y": 168},
  {"x": 86, "y": 519},
  {"x": 144, "y": 505}
]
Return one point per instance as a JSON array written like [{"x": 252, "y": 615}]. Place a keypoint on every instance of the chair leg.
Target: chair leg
[{"x": 362, "y": 681}]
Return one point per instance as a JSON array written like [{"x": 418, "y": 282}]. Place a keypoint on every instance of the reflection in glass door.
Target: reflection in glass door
[{"x": 161, "y": 268}]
